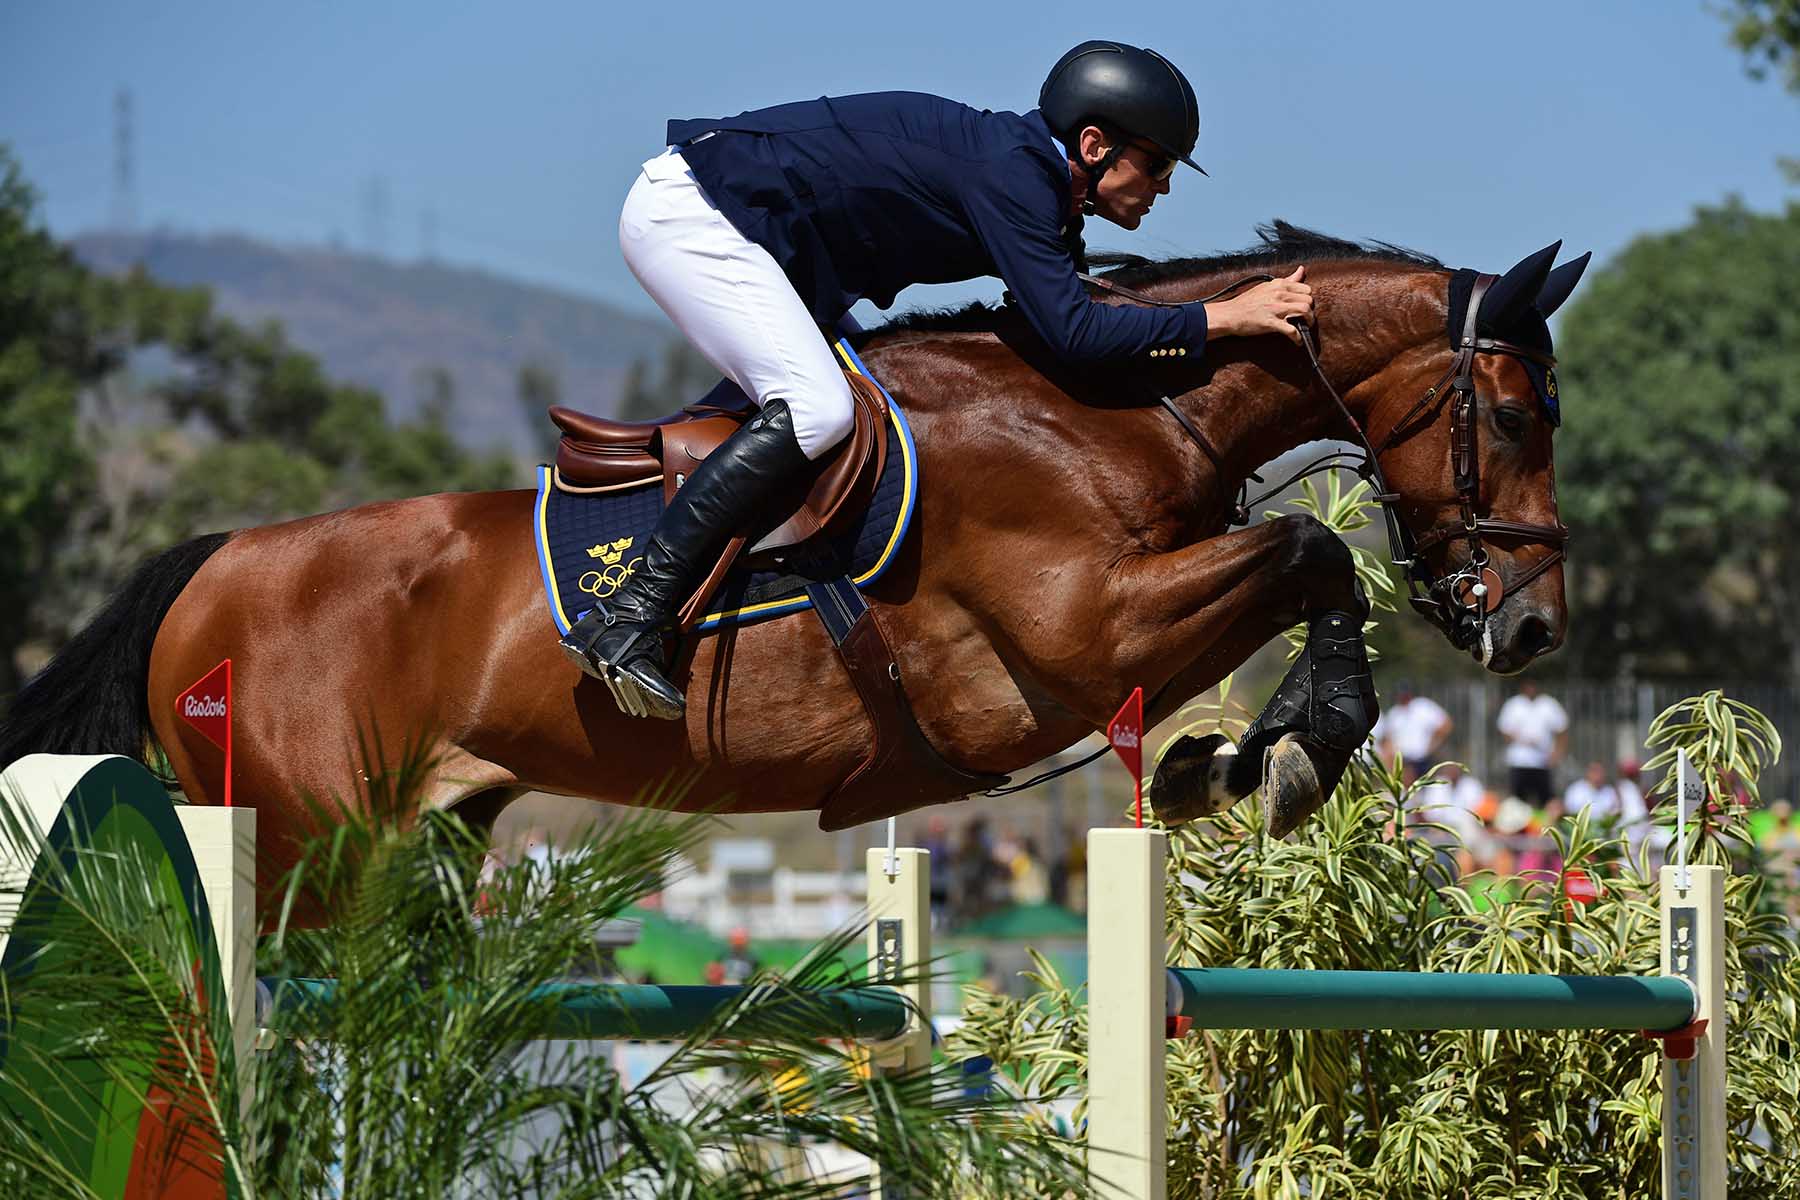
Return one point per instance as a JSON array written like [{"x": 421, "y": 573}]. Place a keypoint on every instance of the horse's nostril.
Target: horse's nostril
[{"x": 1535, "y": 635}]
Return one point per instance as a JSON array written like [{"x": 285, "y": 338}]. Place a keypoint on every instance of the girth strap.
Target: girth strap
[{"x": 902, "y": 769}]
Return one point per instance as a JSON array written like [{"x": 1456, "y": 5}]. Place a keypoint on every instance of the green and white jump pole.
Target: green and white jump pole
[{"x": 1132, "y": 995}]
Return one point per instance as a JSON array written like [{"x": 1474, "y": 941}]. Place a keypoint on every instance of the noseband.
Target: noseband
[{"x": 1458, "y": 602}]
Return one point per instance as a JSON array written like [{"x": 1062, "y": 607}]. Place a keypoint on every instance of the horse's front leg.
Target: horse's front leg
[{"x": 1241, "y": 590}]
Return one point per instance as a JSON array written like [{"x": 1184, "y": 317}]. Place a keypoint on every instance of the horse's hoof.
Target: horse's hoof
[
  {"x": 1190, "y": 779},
  {"x": 1291, "y": 788}
]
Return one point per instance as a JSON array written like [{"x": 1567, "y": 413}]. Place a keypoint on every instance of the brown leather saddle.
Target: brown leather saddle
[
  {"x": 598, "y": 454},
  {"x": 901, "y": 769}
]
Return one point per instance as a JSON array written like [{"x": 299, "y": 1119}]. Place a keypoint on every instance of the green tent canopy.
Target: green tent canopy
[{"x": 1024, "y": 921}]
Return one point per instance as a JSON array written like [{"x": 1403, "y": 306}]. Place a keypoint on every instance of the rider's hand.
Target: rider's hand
[{"x": 1265, "y": 308}]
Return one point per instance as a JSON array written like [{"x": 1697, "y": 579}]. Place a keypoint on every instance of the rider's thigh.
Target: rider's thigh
[{"x": 732, "y": 301}]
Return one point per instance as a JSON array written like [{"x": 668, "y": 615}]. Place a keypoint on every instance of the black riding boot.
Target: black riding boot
[{"x": 620, "y": 639}]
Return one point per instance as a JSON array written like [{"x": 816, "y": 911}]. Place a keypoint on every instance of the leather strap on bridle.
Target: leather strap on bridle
[{"x": 1459, "y": 601}]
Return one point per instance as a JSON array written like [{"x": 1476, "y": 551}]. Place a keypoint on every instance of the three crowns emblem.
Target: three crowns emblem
[{"x": 609, "y": 553}]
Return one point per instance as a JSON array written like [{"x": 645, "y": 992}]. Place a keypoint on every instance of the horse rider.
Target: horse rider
[{"x": 753, "y": 231}]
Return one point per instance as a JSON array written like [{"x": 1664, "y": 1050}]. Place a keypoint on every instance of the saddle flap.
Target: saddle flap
[
  {"x": 841, "y": 484},
  {"x": 846, "y": 476}
]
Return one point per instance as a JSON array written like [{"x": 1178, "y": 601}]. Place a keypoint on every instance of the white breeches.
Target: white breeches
[{"x": 732, "y": 301}]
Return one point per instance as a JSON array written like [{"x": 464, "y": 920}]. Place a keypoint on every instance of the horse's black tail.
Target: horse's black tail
[{"x": 93, "y": 697}]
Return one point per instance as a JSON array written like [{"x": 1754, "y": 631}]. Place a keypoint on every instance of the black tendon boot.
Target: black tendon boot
[
  {"x": 620, "y": 639},
  {"x": 1318, "y": 717}
]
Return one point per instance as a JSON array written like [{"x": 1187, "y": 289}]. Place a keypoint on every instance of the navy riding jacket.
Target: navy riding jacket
[{"x": 858, "y": 196}]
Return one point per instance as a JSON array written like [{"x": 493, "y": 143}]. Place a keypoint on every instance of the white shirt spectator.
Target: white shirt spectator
[
  {"x": 1454, "y": 803},
  {"x": 1599, "y": 800},
  {"x": 1531, "y": 724},
  {"x": 1632, "y": 808},
  {"x": 1411, "y": 727}
]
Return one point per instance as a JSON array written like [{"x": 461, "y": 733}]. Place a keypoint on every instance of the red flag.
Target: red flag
[
  {"x": 1126, "y": 733},
  {"x": 1581, "y": 887},
  {"x": 207, "y": 707}
]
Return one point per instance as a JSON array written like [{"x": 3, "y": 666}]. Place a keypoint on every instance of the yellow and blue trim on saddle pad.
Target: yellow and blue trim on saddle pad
[{"x": 588, "y": 544}]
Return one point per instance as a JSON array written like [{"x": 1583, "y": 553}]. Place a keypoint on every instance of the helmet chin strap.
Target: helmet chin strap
[{"x": 1094, "y": 173}]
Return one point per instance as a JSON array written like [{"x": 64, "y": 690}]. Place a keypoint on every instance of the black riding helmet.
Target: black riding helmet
[{"x": 1136, "y": 91}]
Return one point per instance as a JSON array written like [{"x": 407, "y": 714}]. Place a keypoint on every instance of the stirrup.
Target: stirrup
[
  {"x": 638, "y": 696},
  {"x": 578, "y": 643}
]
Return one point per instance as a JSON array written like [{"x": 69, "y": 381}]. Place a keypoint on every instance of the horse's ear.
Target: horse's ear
[
  {"x": 1513, "y": 293},
  {"x": 1560, "y": 283}
]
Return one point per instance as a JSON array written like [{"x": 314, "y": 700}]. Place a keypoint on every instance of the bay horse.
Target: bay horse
[{"x": 1072, "y": 541}]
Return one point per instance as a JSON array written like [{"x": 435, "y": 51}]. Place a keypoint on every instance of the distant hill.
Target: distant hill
[{"x": 380, "y": 323}]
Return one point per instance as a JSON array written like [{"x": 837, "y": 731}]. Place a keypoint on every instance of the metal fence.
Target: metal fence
[{"x": 1607, "y": 722}]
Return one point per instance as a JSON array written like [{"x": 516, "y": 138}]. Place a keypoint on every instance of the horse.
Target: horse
[{"x": 1073, "y": 540}]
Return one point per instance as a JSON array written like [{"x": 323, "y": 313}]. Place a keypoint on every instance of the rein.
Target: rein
[{"x": 1458, "y": 602}]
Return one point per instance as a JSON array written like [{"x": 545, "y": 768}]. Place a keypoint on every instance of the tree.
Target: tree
[
  {"x": 49, "y": 350},
  {"x": 539, "y": 388},
  {"x": 1680, "y": 463},
  {"x": 1768, "y": 32},
  {"x": 100, "y": 470}
]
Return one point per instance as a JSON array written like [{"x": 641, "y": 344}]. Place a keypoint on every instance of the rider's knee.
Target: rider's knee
[{"x": 821, "y": 423}]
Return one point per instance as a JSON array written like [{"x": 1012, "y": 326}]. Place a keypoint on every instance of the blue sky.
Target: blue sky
[{"x": 1474, "y": 132}]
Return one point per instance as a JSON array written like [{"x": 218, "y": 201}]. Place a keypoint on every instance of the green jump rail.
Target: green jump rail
[
  {"x": 1244, "y": 998},
  {"x": 649, "y": 1012}
]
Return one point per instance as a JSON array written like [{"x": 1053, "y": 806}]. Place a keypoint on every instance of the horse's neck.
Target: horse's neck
[{"x": 1265, "y": 398}]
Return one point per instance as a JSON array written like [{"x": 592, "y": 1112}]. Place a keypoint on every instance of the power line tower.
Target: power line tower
[{"x": 124, "y": 200}]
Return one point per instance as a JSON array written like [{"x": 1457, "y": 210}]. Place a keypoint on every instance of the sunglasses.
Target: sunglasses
[{"x": 1160, "y": 164}]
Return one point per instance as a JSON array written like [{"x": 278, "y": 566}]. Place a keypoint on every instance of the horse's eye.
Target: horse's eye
[{"x": 1511, "y": 420}]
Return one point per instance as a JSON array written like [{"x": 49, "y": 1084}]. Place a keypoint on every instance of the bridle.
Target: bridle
[{"x": 1458, "y": 602}]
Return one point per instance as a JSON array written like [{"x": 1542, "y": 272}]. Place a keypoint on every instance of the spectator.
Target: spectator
[
  {"x": 739, "y": 965},
  {"x": 1632, "y": 809},
  {"x": 1541, "y": 860},
  {"x": 1056, "y": 863},
  {"x": 1075, "y": 866},
  {"x": 1537, "y": 733},
  {"x": 1444, "y": 808},
  {"x": 1453, "y": 797},
  {"x": 974, "y": 868},
  {"x": 1593, "y": 794},
  {"x": 1513, "y": 826},
  {"x": 937, "y": 844},
  {"x": 1411, "y": 731},
  {"x": 1772, "y": 828},
  {"x": 1030, "y": 879}
]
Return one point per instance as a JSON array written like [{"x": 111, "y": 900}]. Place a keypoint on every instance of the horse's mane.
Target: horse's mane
[{"x": 1279, "y": 244}]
